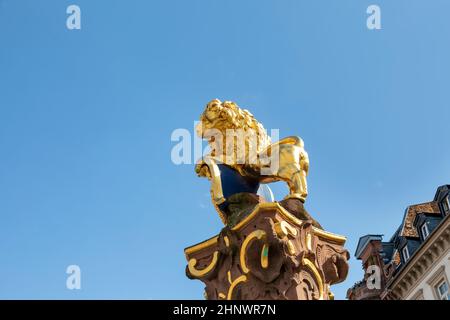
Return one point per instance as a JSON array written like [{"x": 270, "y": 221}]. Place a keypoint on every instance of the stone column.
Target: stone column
[{"x": 270, "y": 254}]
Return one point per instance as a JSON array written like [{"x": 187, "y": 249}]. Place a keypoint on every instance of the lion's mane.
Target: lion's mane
[{"x": 227, "y": 115}]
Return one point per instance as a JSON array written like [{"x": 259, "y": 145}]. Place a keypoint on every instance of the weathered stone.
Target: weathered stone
[{"x": 296, "y": 207}]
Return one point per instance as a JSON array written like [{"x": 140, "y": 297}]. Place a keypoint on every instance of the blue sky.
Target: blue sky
[{"x": 86, "y": 117}]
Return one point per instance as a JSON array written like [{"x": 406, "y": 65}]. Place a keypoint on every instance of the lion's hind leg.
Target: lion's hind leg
[
  {"x": 293, "y": 167},
  {"x": 297, "y": 186}
]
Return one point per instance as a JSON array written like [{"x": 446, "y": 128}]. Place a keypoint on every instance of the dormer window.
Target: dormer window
[
  {"x": 424, "y": 230},
  {"x": 405, "y": 253},
  {"x": 446, "y": 204}
]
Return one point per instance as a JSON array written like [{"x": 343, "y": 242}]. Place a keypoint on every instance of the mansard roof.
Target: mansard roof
[{"x": 407, "y": 227}]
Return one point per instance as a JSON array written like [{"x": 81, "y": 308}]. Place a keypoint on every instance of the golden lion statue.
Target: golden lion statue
[{"x": 240, "y": 143}]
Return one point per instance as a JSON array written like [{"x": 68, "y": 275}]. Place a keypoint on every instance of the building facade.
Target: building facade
[{"x": 415, "y": 262}]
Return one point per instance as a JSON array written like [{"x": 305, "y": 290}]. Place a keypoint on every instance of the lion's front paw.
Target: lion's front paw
[{"x": 202, "y": 170}]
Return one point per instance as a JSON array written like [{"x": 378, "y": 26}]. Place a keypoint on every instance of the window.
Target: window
[
  {"x": 424, "y": 230},
  {"x": 438, "y": 283},
  {"x": 405, "y": 253},
  {"x": 446, "y": 204},
  {"x": 442, "y": 290}
]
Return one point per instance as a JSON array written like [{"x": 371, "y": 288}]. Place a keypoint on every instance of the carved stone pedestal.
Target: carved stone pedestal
[{"x": 270, "y": 254}]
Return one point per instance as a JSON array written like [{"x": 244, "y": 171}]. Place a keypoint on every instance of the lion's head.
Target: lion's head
[{"x": 226, "y": 118}]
